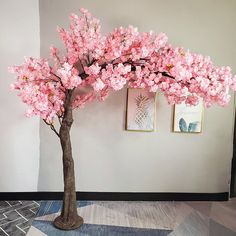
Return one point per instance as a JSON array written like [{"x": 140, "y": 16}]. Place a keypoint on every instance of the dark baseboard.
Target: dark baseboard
[{"x": 117, "y": 196}]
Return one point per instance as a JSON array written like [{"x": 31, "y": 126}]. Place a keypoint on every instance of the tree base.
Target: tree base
[{"x": 68, "y": 225}]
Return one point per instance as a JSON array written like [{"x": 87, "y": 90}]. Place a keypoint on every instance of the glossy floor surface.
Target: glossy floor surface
[{"x": 142, "y": 218}]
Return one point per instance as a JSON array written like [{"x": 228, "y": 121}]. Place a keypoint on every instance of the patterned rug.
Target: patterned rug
[
  {"x": 142, "y": 218},
  {"x": 16, "y": 217}
]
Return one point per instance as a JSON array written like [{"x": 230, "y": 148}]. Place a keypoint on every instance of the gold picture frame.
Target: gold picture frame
[
  {"x": 188, "y": 119},
  {"x": 140, "y": 110}
]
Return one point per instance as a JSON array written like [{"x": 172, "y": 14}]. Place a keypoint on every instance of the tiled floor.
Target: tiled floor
[
  {"x": 16, "y": 217},
  {"x": 142, "y": 219},
  {"x": 123, "y": 218}
]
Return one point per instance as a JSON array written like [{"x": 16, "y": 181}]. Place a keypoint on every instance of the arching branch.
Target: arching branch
[{"x": 52, "y": 127}]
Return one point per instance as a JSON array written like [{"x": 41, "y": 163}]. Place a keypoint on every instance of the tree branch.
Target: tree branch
[
  {"x": 58, "y": 78},
  {"x": 52, "y": 127},
  {"x": 59, "y": 119},
  {"x": 133, "y": 67},
  {"x": 165, "y": 74}
]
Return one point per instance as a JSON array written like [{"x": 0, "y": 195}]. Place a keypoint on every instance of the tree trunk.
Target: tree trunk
[{"x": 69, "y": 218}]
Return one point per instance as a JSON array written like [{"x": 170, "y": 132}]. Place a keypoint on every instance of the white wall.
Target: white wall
[
  {"x": 107, "y": 158},
  {"x": 19, "y": 139}
]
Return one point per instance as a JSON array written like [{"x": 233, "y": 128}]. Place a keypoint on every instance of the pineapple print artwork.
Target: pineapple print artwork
[
  {"x": 142, "y": 116},
  {"x": 140, "y": 110}
]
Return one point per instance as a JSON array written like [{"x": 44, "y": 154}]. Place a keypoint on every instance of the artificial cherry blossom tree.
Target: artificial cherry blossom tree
[{"x": 94, "y": 65}]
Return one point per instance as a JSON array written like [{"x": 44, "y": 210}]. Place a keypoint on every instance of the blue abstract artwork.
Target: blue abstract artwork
[
  {"x": 188, "y": 119},
  {"x": 191, "y": 127}
]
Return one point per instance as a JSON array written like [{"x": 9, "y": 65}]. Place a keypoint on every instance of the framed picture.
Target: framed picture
[
  {"x": 140, "y": 107},
  {"x": 188, "y": 119}
]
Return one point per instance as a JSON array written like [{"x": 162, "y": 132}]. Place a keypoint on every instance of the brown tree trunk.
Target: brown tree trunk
[{"x": 69, "y": 218}]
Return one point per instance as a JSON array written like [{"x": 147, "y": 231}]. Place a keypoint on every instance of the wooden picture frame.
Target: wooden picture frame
[
  {"x": 140, "y": 110},
  {"x": 188, "y": 119}
]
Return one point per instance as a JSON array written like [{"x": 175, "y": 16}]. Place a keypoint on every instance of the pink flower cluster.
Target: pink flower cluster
[
  {"x": 39, "y": 89},
  {"x": 105, "y": 63},
  {"x": 69, "y": 76},
  {"x": 84, "y": 39},
  {"x": 183, "y": 76},
  {"x": 114, "y": 77}
]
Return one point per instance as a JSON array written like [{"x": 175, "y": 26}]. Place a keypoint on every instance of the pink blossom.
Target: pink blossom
[
  {"x": 83, "y": 10},
  {"x": 107, "y": 63},
  {"x": 160, "y": 41},
  {"x": 69, "y": 76},
  {"x": 98, "y": 85},
  {"x": 93, "y": 69},
  {"x": 81, "y": 100},
  {"x": 192, "y": 100}
]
